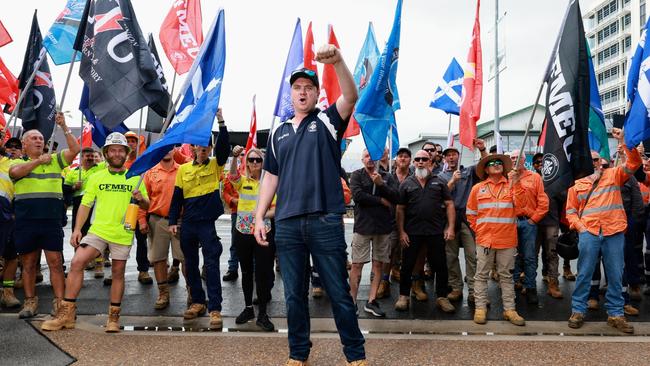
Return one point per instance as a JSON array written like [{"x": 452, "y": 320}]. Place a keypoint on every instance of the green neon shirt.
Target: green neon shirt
[{"x": 73, "y": 176}]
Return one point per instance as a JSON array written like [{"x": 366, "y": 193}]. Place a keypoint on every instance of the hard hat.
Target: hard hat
[
  {"x": 131, "y": 134},
  {"x": 116, "y": 138}
]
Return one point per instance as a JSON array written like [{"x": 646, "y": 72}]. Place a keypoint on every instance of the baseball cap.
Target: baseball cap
[
  {"x": 404, "y": 150},
  {"x": 304, "y": 73}
]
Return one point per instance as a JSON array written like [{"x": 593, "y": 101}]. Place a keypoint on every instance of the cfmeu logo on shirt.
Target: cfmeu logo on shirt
[
  {"x": 312, "y": 127},
  {"x": 109, "y": 187}
]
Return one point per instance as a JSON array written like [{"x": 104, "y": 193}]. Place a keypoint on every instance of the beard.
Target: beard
[
  {"x": 421, "y": 173},
  {"x": 116, "y": 162}
]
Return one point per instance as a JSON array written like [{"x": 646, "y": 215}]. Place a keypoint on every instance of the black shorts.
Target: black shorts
[
  {"x": 7, "y": 245},
  {"x": 32, "y": 235}
]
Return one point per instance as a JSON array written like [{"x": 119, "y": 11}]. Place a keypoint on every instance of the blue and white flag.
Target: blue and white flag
[
  {"x": 637, "y": 123},
  {"x": 375, "y": 111},
  {"x": 201, "y": 92},
  {"x": 295, "y": 60},
  {"x": 448, "y": 93},
  {"x": 62, "y": 33},
  {"x": 99, "y": 131}
]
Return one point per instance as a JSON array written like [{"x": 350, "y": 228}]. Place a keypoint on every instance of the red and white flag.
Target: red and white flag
[
  {"x": 470, "y": 108},
  {"x": 309, "y": 51},
  {"x": 5, "y": 38},
  {"x": 86, "y": 136},
  {"x": 329, "y": 89},
  {"x": 252, "y": 133},
  {"x": 181, "y": 34}
]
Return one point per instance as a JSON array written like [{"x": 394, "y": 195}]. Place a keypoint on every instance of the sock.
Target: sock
[
  {"x": 69, "y": 300},
  {"x": 118, "y": 304},
  {"x": 8, "y": 284}
]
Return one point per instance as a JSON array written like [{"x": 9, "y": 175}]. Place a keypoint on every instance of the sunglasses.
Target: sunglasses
[
  {"x": 255, "y": 160},
  {"x": 430, "y": 150},
  {"x": 538, "y": 162},
  {"x": 420, "y": 159},
  {"x": 595, "y": 160},
  {"x": 310, "y": 73},
  {"x": 494, "y": 163}
]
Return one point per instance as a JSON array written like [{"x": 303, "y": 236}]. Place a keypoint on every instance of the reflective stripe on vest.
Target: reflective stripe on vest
[
  {"x": 495, "y": 205},
  {"x": 470, "y": 212},
  {"x": 582, "y": 197},
  {"x": 496, "y": 220},
  {"x": 602, "y": 209},
  {"x": 44, "y": 181},
  {"x": 571, "y": 211},
  {"x": 25, "y": 196}
]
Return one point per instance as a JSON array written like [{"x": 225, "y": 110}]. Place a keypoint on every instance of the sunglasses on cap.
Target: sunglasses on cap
[
  {"x": 309, "y": 72},
  {"x": 420, "y": 159},
  {"x": 255, "y": 160},
  {"x": 494, "y": 163}
]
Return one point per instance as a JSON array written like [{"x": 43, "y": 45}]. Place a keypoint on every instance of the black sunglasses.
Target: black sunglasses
[
  {"x": 537, "y": 162},
  {"x": 494, "y": 163},
  {"x": 430, "y": 150},
  {"x": 420, "y": 159},
  {"x": 255, "y": 160}
]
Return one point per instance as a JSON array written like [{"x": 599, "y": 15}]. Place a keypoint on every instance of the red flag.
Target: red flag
[
  {"x": 542, "y": 136},
  {"x": 8, "y": 86},
  {"x": 87, "y": 136},
  {"x": 470, "y": 108},
  {"x": 330, "y": 89},
  {"x": 181, "y": 34},
  {"x": 309, "y": 52},
  {"x": 5, "y": 38},
  {"x": 3, "y": 124},
  {"x": 252, "y": 133}
]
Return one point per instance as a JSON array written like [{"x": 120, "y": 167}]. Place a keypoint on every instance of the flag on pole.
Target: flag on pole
[
  {"x": 201, "y": 92},
  {"x": 252, "y": 131},
  {"x": 116, "y": 63},
  {"x": 448, "y": 94},
  {"x": 598, "y": 139},
  {"x": 155, "y": 120},
  {"x": 5, "y": 38},
  {"x": 99, "y": 131},
  {"x": 62, "y": 34},
  {"x": 637, "y": 123},
  {"x": 470, "y": 108},
  {"x": 38, "y": 108},
  {"x": 376, "y": 108},
  {"x": 566, "y": 146},
  {"x": 310, "y": 51},
  {"x": 330, "y": 90},
  {"x": 295, "y": 60},
  {"x": 8, "y": 87},
  {"x": 86, "y": 136},
  {"x": 181, "y": 34}
]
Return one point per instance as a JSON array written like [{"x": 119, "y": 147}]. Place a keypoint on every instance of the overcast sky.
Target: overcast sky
[{"x": 258, "y": 34}]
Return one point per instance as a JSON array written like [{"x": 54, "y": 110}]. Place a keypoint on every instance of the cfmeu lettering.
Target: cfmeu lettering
[{"x": 115, "y": 187}]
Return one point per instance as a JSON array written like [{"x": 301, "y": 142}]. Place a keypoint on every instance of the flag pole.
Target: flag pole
[
  {"x": 497, "y": 127},
  {"x": 65, "y": 91},
  {"x": 137, "y": 148},
  {"x": 21, "y": 95},
  {"x": 81, "y": 140}
]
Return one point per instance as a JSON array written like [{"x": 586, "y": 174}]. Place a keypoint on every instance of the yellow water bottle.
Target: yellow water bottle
[{"x": 131, "y": 218}]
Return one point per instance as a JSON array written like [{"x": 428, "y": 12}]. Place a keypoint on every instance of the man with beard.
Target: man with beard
[
  {"x": 110, "y": 192},
  {"x": 421, "y": 223}
]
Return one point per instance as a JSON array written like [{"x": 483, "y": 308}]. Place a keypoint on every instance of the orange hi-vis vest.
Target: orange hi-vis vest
[
  {"x": 491, "y": 213},
  {"x": 535, "y": 205},
  {"x": 645, "y": 193},
  {"x": 603, "y": 212}
]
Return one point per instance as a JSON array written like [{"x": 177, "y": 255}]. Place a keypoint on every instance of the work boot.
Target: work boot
[
  {"x": 113, "y": 321},
  {"x": 8, "y": 299},
  {"x": 265, "y": 323},
  {"x": 568, "y": 275},
  {"x": 292, "y": 362},
  {"x": 418, "y": 292},
  {"x": 317, "y": 292},
  {"x": 358, "y": 363},
  {"x": 64, "y": 319},
  {"x": 592, "y": 304},
  {"x": 545, "y": 278},
  {"x": 246, "y": 315},
  {"x": 30, "y": 308},
  {"x": 173, "y": 275},
  {"x": 455, "y": 295},
  {"x": 144, "y": 278},
  {"x": 630, "y": 310},
  {"x": 56, "y": 303},
  {"x": 635, "y": 292},
  {"x": 514, "y": 318},
  {"x": 163, "y": 297},
  {"x": 480, "y": 315},
  {"x": 394, "y": 274},
  {"x": 215, "y": 320},
  {"x": 531, "y": 296},
  {"x": 230, "y": 276},
  {"x": 195, "y": 310},
  {"x": 99, "y": 268},
  {"x": 620, "y": 323},
  {"x": 443, "y": 304},
  {"x": 554, "y": 289},
  {"x": 402, "y": 303},
  {"x": 576, "y": 320},
  {"x": 383, "y": 290}
]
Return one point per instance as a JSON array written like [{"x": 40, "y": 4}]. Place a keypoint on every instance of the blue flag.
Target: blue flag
[
  {"x": 375, "y": 111},
  {"x": 99, "y": 131},
  {"x": 201, "y": 92},
  {"x": 637, "y": 123},
  {"x": 447, "y": 95},
  {"x": 62, "y": 33},
  {"x": 295, "y": 60},
  {"x": 597, "y": 134}
]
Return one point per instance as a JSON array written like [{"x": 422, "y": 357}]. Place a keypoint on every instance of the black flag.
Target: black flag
[
  {"x": 567, "y": 156},
  {"x": 116, "y": 63},
  {"x": 154, "y": 119},
  {"x": 38, "y": 108}
]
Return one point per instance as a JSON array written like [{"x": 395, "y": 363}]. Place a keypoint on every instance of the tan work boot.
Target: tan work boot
[
  {"x": 195, "y": 310},
  {"x": 56, "y": 303},
  {"x": 554, "y": 289},
  {"x": 620, "y": 323},
  {"x": 8, "y": 299},
  {"x": 317, "y": 292},
  {"x": 383, "y": 290},
  {"x": 514, "y": 318},
  {"x": 144, "y": 278},
  {"x": 443, "y": 304},
  {"x": 215, "y": 320},
  {"x": 402, "y": 303},
  {"x": 576, "y": 320},
  {"x": 568, "y": 275},
  {"x": 292, "y": 362},
  {"x": 480, "y": 315},
  {"x": 163, "y": 297},
  {"x": 358, "y": 363},
  {"x": 418, "y": 292},
  {"x": 592, "y": 304},
  {"x": 394, "y": 274},
  {"x": 173, "y": 275},
  {"x": 455, "y": 295},
  {"x": 630, "y": 310},
  {"x": 30, "y": 308},
  {"x": 64, "y": 319},
  {"x": 99, "y": 267},
  {"x": 113, "y": 322}
]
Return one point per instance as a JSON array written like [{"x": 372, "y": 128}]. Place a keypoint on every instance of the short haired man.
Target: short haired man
[
  {"x": 110, "y": 192},
  {"x": 433, "y": 164}
]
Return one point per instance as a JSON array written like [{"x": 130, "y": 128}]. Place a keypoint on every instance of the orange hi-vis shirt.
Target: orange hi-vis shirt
[
  {"x": 645, "y": 192},
  {"x": 603, "y": 212},
  {"x": 535, "y": 205},
  {"x": 159, "y": 183},
  {"x": 491, "y": 213}
]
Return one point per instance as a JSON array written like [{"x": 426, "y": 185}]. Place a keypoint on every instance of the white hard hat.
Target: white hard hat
[{"x": 115, "y": 138}]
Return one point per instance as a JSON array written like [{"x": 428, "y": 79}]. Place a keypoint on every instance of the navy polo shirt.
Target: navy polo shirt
[{"x": 307, "y": 162}]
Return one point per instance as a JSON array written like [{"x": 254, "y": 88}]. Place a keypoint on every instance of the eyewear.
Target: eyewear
[
  {"x": 431, "y": 150},
  {"x": 538, "y": 162},
  {"x": 494, "y": 163},
  {"x": 13, "y": 147},
  {"x": 421, "y": 159},
  {"x": 596, "y": 160},
  {"x": 310, "y": 73},
  {"x": 255, "y": 160}
]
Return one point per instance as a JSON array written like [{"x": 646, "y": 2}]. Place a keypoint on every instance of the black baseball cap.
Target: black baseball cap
[
  {"x": 14, "y": 142},
  {"x": 304, "y": 73},
  {"x": 404, "y": 150}
]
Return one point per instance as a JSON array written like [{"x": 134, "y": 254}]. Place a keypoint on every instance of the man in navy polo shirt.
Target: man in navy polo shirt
[{"x": 302, "y": 166}]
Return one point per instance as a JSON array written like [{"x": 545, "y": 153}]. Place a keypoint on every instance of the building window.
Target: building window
[
  {"x": 605, "y": 33},
  {"x": 608, "y": 53},
  {"x": 608, "y": 75},
  {"x": 642, "y": 17},
  {"x": 627, "y": 20},
  {"x": 611, "y": 96},
  {"x": 627, "y": 44},
  {"x": 607, "y": 10}
]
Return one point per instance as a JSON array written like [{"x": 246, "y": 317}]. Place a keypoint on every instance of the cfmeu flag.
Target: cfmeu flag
[
  {"x": 598, "y": 139},
  {"x": 566, "y": 146},
  {"x": 62, "y": 34},
  {"x": 448, "y": 94},
  {"x": 38, "y": 108},
  {"x": 181, "y": 34},
  {"x": 116, "y": 63},
  {"x": 201, "y": 91},
  {"x": 637, "y": 123},
  {"x": 295, "y": 59},
  {"x": 470, "y": 108},
  {"x": 376, "y": 108}
]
